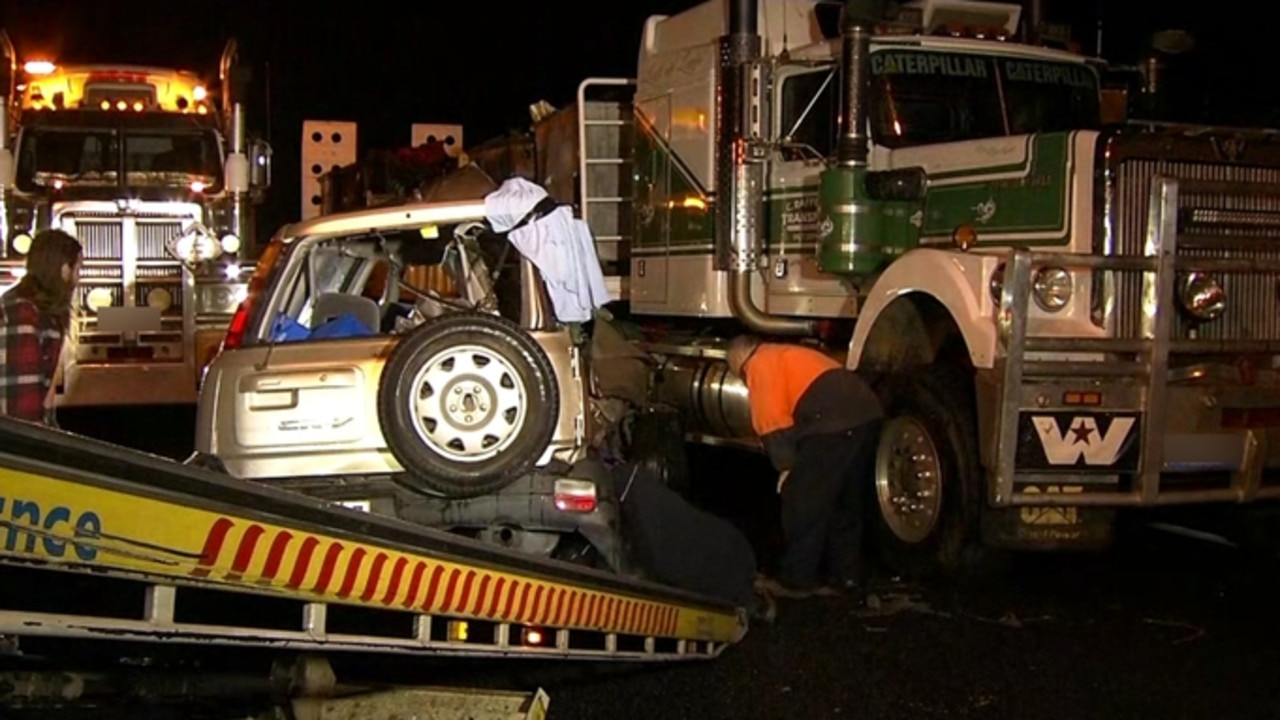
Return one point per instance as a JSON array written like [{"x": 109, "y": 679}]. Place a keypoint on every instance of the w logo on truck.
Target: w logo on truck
[{"x": 1056, "y": 441}]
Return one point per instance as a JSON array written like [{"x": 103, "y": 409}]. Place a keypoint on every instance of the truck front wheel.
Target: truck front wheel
[{"x": 927, "y": 484}]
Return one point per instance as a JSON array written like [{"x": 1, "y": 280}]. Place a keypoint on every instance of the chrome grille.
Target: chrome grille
[
  {"x": 160, "y": 272},
  {"x": 1252, "y": 299},
  {"x": 168, "y": 278},
  {"x": 89, "y": 273},
  {"x": 128, "y": 278},
  {"x": 152, "y": 238},
  {"x": 100, "y": 240}
]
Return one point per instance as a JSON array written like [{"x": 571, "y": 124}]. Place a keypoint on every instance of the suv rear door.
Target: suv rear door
[{"x": 298, "y": 407}]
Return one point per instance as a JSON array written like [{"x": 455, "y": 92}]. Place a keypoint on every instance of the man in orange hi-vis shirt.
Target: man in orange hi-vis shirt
[{"x": 819, "y": 423}]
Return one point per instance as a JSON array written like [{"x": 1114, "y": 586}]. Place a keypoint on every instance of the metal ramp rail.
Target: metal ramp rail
[{"x": 156, "y": 551}]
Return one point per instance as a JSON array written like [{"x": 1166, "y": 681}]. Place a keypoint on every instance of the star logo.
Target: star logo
[
  {"x": 1082, "y": 432},
  {"x": 1082, "y": 439}
]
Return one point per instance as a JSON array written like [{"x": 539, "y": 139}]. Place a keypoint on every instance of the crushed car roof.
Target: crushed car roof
[{"x": 407, "y": 215}]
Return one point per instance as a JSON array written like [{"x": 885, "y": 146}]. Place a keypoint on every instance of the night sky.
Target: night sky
[{"x": 389, "y": 64}]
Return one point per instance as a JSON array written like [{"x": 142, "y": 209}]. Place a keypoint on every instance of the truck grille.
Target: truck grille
[
  {"x": 145, "y": 274},
  {"x": 1253, "y": 305},
  {"x": 152, "y": 238},
  {"x": 102, "y": 237},
  {"x": 101, "y": 240}
]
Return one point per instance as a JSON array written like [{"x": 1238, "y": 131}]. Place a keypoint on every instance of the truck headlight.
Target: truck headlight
[
  {"x": 230, "y": 244},
  {"x": 159, "y": 298},
  {"x": 220, "y": 299},
  {"x": 1201, "y": 296},
  {"x": 22, "y": 243},
  {"x": 1052, "y": 288},
  {"x": 996, "y": 284},
  {"x": 98, "y": 297}
]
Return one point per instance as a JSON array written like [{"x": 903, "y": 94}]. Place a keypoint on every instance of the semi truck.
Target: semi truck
[
  {"x": 153, "y": 171},
  {"x": 1066, "y": 313}
]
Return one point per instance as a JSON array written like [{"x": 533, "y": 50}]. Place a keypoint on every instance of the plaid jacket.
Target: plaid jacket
[{"x": 30, "y": 346}]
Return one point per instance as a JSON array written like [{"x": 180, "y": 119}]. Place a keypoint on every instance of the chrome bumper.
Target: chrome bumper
[
  {"x": 89, "y": 385},
  {"x": 1130, "y": 431}
]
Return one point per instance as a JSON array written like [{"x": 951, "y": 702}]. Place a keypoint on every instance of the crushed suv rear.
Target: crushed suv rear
[{"x": 407, "y": 361}]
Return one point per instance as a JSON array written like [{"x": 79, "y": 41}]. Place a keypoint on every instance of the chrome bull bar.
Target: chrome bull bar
[{"x": 1149, "y": 370}]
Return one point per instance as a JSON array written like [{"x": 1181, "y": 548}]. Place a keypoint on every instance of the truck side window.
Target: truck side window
[
  {"x": 920, "y": 97},
  {"x": 809, "y": 109}
]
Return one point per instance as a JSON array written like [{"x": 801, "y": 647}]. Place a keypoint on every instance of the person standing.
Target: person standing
[
  {"x": 819, "y": 423},
  {"x": 35, "y": 318}
]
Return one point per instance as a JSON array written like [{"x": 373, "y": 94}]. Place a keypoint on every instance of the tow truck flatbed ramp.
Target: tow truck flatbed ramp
[{"x": 183, "y": 541}]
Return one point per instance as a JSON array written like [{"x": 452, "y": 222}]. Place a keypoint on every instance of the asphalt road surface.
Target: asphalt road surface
[{"x": 1165, "y": 625}]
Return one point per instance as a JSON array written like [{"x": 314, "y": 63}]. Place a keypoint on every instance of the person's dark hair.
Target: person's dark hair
[
  {"x": 740, "y": 350},
  {"x": 43, "y": 284}
]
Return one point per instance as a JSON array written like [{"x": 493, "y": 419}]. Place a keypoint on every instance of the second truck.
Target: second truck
[{"x": 153, "y": 171}]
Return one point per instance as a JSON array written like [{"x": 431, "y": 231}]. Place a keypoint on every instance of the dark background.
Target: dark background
[{"x": 387, "y": 65}]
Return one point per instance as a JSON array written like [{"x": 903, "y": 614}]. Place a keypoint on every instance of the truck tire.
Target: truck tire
[
  {"x": 467, "y": 402},
  {"x": 926, "y": 489}
]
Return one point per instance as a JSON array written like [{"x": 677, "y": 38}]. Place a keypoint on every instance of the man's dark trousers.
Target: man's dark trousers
[{"x": 822, "y": 507}]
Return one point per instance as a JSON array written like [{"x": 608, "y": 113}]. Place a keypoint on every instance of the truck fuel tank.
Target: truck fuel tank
[{"x": 712, "y": 400}]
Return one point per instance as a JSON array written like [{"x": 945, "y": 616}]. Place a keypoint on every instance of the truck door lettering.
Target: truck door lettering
[{"x": 26, "y": 521}]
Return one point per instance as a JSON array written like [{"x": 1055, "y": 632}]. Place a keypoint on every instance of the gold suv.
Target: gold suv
[{"x": 405, "y": 360}]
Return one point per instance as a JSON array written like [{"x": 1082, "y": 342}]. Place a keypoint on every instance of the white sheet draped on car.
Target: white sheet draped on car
[{"x": 560, "y": 245}]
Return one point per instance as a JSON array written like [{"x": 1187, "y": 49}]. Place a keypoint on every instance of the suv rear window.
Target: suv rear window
[{"x": 384, "y": 284}]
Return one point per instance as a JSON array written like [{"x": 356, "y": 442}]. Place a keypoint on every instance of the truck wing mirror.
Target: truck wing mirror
[{"x": 260, "y": 164}]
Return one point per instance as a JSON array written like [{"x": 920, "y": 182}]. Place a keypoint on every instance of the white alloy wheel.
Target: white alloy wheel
[{"x": 469, "y": 404}]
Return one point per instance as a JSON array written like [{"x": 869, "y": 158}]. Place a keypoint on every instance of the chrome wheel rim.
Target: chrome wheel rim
[{"x": 908, "y": 480}]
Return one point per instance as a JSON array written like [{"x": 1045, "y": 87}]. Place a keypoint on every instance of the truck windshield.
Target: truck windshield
[
  {"x": 93, "y": 157},
  {"x": 921, "y": 96}
]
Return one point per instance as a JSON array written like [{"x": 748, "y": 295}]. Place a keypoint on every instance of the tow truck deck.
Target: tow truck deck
[{"x": 179, "y": 554}]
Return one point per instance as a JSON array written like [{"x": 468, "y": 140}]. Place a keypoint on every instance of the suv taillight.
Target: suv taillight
[
  {"x": 577, "y": 496},
  {"x": 257, "y": 285},
  {"x": 239, "y": 323}
]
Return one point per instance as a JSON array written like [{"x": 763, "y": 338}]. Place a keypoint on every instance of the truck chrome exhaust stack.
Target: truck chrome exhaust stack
[
  {"x": 739, "y": 225},
  {"x": 237, "y": 171},
  {"x": 860, "y": 17}
]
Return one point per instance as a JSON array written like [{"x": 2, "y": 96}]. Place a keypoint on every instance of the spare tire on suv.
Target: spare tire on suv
[{"x": 468, "y": 403}]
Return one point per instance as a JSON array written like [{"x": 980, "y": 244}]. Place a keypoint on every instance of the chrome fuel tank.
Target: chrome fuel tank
[{"x": 712, "y": 400}]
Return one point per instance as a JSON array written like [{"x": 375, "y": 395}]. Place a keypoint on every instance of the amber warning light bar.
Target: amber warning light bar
[{"x": 50, "y": 87}]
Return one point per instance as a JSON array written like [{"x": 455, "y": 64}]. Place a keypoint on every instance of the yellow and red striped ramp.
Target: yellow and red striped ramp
[{"x": 69, "y": 503}]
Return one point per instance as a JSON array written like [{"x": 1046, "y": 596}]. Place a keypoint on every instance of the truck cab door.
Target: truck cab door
[
  {"x": 650, "y": 209},
  {"x": 806, "y": 123}
]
